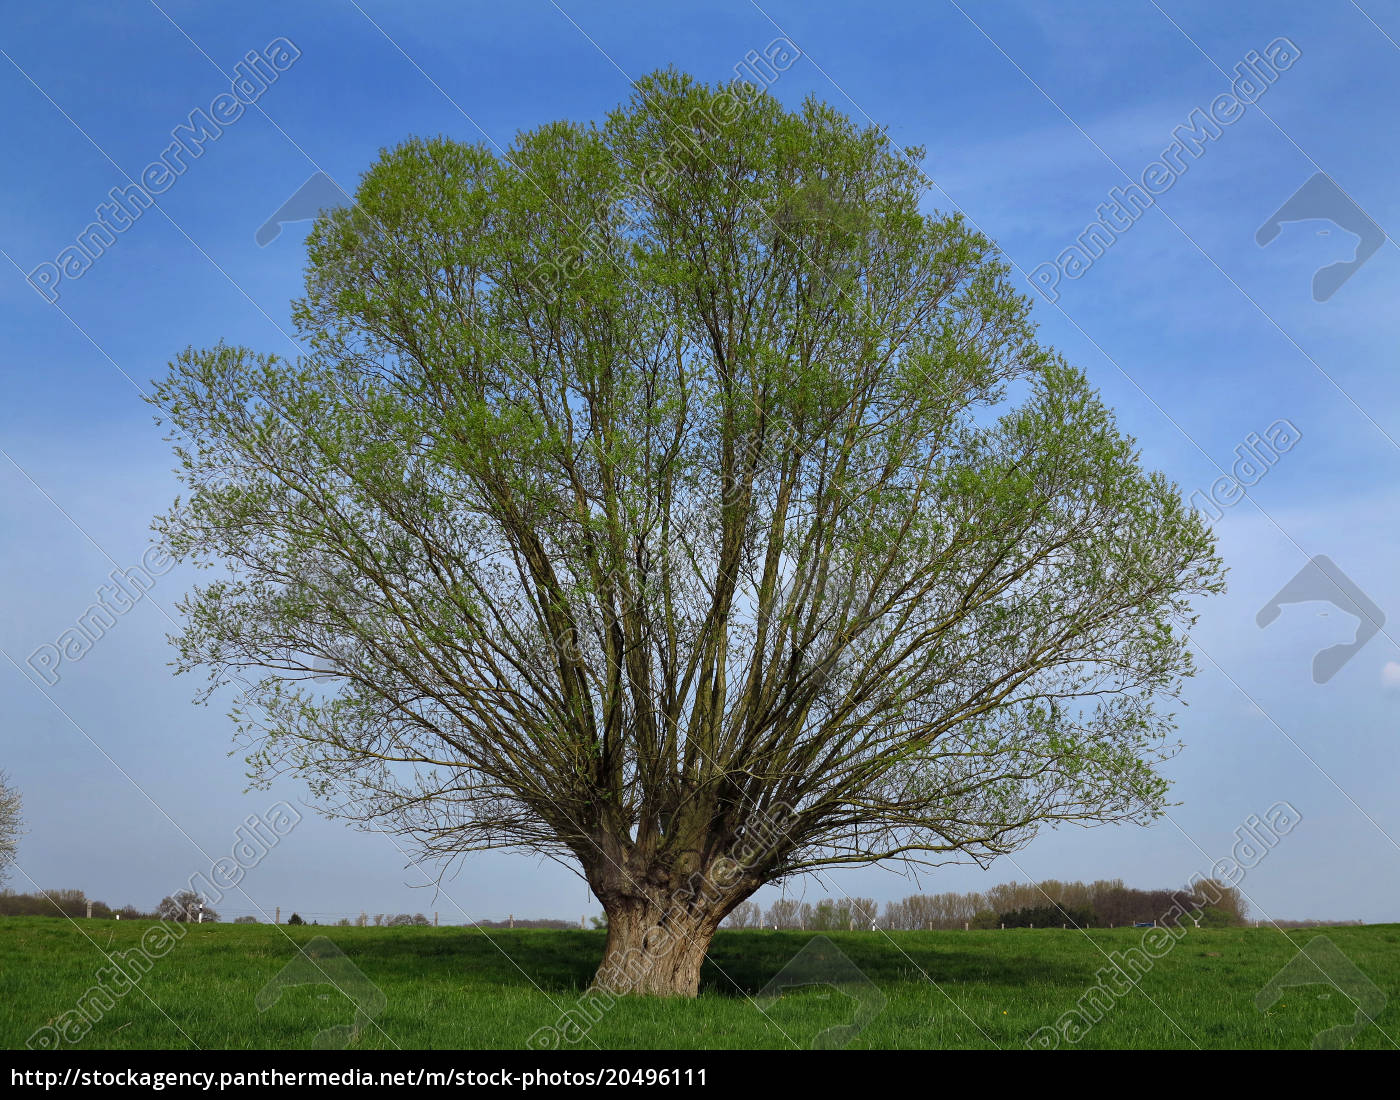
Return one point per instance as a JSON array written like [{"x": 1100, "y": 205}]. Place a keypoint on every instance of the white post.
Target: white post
[{"x": 964, "y": 926}]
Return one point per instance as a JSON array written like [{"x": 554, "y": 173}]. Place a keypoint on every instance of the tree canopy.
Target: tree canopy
[{"x": 677, "y": 492}]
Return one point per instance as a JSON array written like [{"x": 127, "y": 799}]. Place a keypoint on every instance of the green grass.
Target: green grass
[{"x": 459, "y": 988}]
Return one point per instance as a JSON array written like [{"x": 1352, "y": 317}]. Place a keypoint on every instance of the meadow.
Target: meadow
[{"x": 229, "y": 986}]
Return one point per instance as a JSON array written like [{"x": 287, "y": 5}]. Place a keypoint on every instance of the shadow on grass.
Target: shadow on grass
[
  {"x": 739, "y": 964},
  {"x": 750, "y": 959},
  {"x": 550, "y": 960}
]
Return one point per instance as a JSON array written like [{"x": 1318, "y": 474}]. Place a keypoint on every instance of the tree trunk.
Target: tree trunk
[{"x": 654, "y": 949}]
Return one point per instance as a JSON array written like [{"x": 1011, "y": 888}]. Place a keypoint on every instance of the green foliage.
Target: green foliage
[
  {"x": 662, "y": 472},
  {"x": 1047, "y": 916}
]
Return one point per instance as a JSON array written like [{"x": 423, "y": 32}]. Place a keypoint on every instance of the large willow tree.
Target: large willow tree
[{"x": 675, "y": 497}]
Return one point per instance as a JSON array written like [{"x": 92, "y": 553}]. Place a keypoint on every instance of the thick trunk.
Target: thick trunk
[{"x": 655, "y": 950}]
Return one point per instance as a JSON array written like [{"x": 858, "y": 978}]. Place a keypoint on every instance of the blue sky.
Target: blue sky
[{"x": 1030, "y": 113}]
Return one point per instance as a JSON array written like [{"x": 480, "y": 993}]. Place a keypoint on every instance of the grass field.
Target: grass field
[{"x": 459, "y": 988}]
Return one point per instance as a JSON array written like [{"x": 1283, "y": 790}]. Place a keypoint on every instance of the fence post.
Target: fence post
[
  {"x": 1003, "y": 926},
  {"x": 964, "y": 926},
  {"x": 435, "y": 923},
  {"x": 89, "y": 908},
  {"x": 278, "y": 920},
  {"x": 581, "y": 923}
]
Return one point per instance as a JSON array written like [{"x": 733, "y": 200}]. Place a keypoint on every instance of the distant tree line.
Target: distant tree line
[
  {"x": 824, "y": 916},
  {"x": 11, "y": 824},
  {"x": 63, "y": 903},
  {"x": 1048, "y": 904}
]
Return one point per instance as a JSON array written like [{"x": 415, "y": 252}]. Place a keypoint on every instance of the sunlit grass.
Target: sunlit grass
[{"x": 461, "y": 988}]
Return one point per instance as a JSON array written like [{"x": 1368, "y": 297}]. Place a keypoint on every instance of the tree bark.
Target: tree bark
[{"x": 655, "y": 949}]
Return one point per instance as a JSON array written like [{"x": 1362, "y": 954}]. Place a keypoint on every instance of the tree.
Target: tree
[
  {"x": 1048, "y": 916},
  {"x": 295, "y": 918},
  {"x": 185, "y": 907},
  {"x": 746, "y": 914},
  {"x": 783, "y": 913},
  {"x": 862, "y": 913},
  {"x": 675, "y": 498},
  {"x": 246, "y": 918},
  {"x": 11, "y": 824}
]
